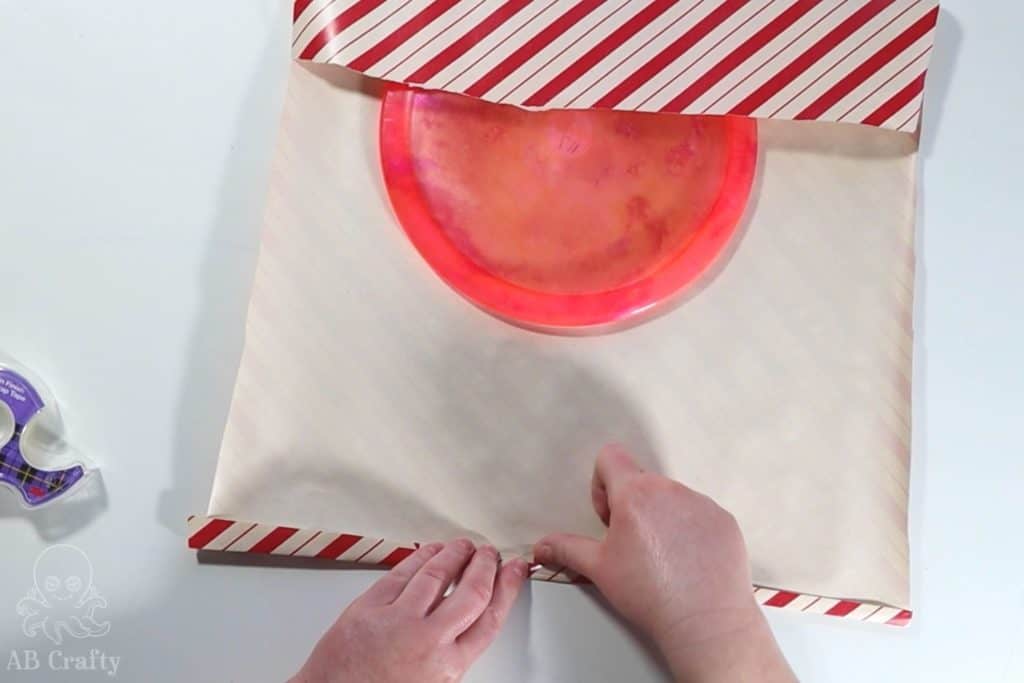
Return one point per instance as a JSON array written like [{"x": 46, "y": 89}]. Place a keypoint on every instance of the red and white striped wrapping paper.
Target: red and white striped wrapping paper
[
  {"x": 227, "y": 535},
  {"x": 851, "y": 61}
]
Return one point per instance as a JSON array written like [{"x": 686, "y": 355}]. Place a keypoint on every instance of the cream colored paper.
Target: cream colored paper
[{"x": 372, "y": 399}]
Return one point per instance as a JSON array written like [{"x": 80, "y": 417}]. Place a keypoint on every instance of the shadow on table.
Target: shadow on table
[
  {"x": 226, "y": 276},
  {"x": 948, "y": 41},
  {"x": 62, "y": 517}
]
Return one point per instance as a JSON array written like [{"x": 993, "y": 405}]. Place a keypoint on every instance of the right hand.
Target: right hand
[{"x": 674, "y": 564}]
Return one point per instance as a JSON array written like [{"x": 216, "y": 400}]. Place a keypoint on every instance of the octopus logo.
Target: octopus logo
[{"x": 63, "y": 599}]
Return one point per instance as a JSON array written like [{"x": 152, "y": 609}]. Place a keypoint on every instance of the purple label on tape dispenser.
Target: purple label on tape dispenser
[{"x": 36, "y": 486}]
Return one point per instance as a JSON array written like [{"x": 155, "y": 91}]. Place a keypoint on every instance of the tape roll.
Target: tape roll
[
  {"x": 29, "y": 421},
  {"x": 7, "y": 425}
]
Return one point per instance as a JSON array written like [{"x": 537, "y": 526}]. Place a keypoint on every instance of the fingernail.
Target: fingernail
[
  {"x": 488, "y": 550},
  {"x": 520, "y": 567},
  {"x": 433, "y": 548},
  {"x": 464, "y": 545}
]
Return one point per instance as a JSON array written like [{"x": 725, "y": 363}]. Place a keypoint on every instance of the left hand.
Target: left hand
[{"x": 404, "y": 629}]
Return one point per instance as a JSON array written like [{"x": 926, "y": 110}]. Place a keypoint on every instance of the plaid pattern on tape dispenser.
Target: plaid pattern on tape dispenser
[{"x": 24, "y": 406}]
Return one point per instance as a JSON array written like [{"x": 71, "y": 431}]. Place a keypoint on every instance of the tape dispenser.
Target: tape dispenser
[{"x": 35, "y": 460}]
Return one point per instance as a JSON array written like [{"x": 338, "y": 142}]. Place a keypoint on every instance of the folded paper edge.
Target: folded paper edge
[
  {"x": 862, "y": 63},
  {"x": 221, "y": 534}
]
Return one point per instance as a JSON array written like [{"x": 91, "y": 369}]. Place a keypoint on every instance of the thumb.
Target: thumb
[{"x": 578, "y": 553}]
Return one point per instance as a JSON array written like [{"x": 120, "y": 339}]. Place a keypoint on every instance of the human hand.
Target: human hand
[
  {"x": 674, "y": 564},
  {"x": 403, "y": 629}
]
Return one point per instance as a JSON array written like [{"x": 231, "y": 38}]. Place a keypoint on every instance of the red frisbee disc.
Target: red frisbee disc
[{"x": 563, "y": 219}]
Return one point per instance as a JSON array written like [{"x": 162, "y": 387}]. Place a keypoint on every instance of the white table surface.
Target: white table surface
[{"x": 134, "y": 148}]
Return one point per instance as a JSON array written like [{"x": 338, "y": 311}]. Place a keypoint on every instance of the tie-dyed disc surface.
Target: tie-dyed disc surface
[{"x": 563, "y": 219}]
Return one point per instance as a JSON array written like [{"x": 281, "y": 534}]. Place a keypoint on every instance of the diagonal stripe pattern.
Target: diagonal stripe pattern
[
  {"x": 214, "y": 533},
  {"x": 857, "y": 61}
]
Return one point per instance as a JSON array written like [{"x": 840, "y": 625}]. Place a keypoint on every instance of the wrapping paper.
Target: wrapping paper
[
  {"x": 858, "y": 61},
  {"x": 375, "y": 408}
]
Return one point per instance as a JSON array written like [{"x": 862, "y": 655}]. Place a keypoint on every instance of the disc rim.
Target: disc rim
[{"x": 533, "y": 308}]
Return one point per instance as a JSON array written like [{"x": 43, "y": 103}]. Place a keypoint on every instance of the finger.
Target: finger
[
  {"x": 427, "y": 586},
  {"x": 471, "y": 596},
  {"x": 578, "y": 553},
  {"x": 484, "y": 630},
  {"x": 615, "y": 466},
  {"x": 599, "y": 497},
  {"x": 390, "y": 586}
]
